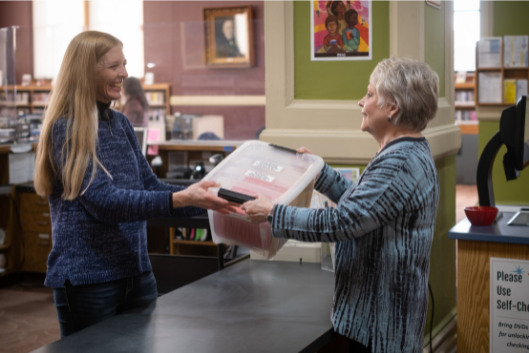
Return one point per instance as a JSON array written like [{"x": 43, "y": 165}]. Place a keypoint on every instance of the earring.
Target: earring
[{"x": 389, "y": 118}]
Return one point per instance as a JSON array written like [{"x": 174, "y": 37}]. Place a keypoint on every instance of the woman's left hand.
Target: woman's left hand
[{"x": 258, "y": 209}]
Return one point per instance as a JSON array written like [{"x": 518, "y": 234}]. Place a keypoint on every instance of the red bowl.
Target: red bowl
[{"x": 481, "y": 215}]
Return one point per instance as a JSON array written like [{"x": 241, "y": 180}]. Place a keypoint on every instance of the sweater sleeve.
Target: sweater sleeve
[
  {"x": 110, "y": 204},
  {"x": 385, "y": 188},
  {"x": 151, "y": 181},
  {"x": 331, "y": 183}
]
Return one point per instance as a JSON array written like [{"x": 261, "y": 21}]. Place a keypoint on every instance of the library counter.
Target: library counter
[
  {"x": 498, "y": 232},
  {"x": 475, "y": 247},
  {"x": 252, "y": 306}
]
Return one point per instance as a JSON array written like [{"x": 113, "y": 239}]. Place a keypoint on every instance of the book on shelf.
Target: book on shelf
[
  {"x": 521, "y": 88},
  {"x": 40, "y": 97},
  {"x": 461, "y": 77},
  {"x": 509, "y": 91},
  {"x": 489, "y": 87},
  {"x": 155, "y": 97},
  {"x": 465, "y": 98},
  {"x": 489, "y": 52},
  {"x": 465, "y": 115},
  {"x": 515, "y": 51},
  {"x": 513, "y": 90}
]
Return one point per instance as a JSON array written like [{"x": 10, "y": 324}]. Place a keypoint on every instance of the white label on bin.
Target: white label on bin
[
  {"x": 259, "y": 176},
  {"x": 44, "y": 236},
  {"x": 239, "y": 216},
  {"x": 268, "y": 165}
]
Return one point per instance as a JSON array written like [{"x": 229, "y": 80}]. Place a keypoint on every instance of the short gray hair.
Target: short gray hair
[{"x": 412, "y": 85}]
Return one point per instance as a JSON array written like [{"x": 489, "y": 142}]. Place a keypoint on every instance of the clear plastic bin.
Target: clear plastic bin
[{"x": 283, "y": 176}]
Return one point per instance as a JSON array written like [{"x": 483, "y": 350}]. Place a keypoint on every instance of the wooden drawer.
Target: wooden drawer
[
  {"x": 33, "y": 203},
  {"x": 37, "y": 247},
  {"x": 36, "y": 222}
]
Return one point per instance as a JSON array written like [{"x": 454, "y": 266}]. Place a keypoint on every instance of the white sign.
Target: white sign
[{"x": 509, "y": 305}]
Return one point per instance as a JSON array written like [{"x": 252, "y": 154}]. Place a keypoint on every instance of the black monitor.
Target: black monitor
[{"x": 514, "y": 134}]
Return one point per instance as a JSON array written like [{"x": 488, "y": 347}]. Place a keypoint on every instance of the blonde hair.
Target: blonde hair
[
  {"x": 73, "y": 97},
  {"x": 411, "y": 85}
]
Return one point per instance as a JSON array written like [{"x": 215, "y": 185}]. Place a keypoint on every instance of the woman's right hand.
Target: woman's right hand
[
  {"x": 198, "y": 195},
  {"x": 303, "y": 150}
]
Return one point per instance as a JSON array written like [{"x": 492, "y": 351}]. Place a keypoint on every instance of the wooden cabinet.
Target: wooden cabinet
[
  {"x": 10, "y": 248},
  {"x": 35, "y": 223}
]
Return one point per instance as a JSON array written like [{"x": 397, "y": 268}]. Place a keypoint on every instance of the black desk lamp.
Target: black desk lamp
[{"x": 514, "y": 133}]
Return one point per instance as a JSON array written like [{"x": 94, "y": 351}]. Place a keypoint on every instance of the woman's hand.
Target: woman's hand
[
  {"x": 303, "y": 150},
  {"x": 198, "y": 195},
  {"x": 258, "y": 209}
]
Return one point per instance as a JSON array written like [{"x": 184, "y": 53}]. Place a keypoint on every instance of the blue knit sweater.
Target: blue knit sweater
[
  {"x": 101, "y": 236},
  {"x": 383, "y": 226}
]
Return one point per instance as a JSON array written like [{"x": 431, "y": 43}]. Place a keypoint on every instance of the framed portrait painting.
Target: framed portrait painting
[
  {"x": 229, "y": 37},
  {"x": 341, "y": 30}
]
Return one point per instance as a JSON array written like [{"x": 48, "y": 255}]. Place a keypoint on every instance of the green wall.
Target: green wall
[
  {"x": 443, "y": 256},
  {"x": 514, "y": 192},
  {"x": 434, "y": 42},
  {"x": 335, "y": 80},
  {"x": 509, "y": 18}
]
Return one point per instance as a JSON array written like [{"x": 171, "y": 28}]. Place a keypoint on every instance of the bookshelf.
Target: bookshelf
[
  {"x": 465, "y": 103},
  {"x": 32, "y": 99},
  {"x": 516, "y": 75},
  {"x": 28, "y": 99}
]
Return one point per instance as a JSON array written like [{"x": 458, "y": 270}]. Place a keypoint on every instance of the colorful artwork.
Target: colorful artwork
[{"x": 341, "y": 30}]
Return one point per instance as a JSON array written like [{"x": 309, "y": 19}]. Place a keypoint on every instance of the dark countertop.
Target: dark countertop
[
  {"x": 498, "y": 232},
  {"x": 253, "y": 306}
]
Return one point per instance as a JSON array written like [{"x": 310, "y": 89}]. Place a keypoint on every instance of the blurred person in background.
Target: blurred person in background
[{"x": 136, "y": 108}]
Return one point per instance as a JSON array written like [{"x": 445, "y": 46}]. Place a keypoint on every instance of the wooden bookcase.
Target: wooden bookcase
[
  {"x": 32, "y": 99},
  {"x": 505, "y": 72},
  {"x": 467, "y": 107}
]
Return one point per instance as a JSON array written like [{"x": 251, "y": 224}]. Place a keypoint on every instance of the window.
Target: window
[
  {"x": 56, "y": 22},
  {"x": 466, "y": 34},
  {"x": 54, "y": 25}
]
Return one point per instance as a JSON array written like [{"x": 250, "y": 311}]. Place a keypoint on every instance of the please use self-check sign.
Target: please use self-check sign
[{"x": 509, "y": 305}]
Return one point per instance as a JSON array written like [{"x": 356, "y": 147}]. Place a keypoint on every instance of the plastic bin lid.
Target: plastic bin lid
[{"x": 258, "y": 167}]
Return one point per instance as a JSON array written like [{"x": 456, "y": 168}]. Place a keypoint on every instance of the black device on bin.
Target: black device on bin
[{"x": 233, "y": 196}]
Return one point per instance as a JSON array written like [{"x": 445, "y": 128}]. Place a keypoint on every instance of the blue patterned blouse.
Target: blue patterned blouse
[{"x": 383, "y": 227}]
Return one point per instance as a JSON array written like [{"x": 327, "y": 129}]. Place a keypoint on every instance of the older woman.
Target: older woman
[
  {"x": 101, "y": 190},
  {"x": 384, "y": 222}
]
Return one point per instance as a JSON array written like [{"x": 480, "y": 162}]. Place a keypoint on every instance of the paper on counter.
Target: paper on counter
[
  {"x": 153, "y": 135},
  {"x": 489, "y": 53},
  {"x": 489, "y": 87},
  {"x": 21, "y": 167}
]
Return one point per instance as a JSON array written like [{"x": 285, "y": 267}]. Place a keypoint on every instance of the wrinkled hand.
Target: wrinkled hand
[
  {"x": 198, "y": 195},
  {"x": 258, "y": 209},
  {"x": 303, "y": 150}
]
